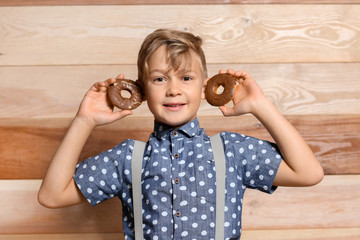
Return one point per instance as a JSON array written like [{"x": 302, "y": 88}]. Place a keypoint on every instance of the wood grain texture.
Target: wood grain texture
[
  {"x": 305, "y": 54},
  {"x": 320, "y": 207},
  {"x": 77, "y": 236},
  {"x": 296, "y": 89},
  {"x": 283, "y": 234},
  {"x": 26, "y": 146},
  {"x": 145, "y": 2},
  {"x": 331, "y": 204},
  {"x": 271, "y": 33},
  {"x": 302, "y": 234},
  {"x": 21, "y": 213}
]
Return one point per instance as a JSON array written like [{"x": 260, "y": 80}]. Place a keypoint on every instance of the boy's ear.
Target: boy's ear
[
  {"x": 141, "y": 85},
  {"x": 143, "y": 95},
  {"x": 203, "y": 88}
]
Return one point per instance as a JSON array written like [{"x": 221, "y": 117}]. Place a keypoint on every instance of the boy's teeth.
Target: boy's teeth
[{"x": 173, "y": 105}]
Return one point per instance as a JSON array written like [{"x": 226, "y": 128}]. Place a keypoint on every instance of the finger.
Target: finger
[
  {"x": 109, "y": 81},
  {"x": 222, "y": 71},
  {"x": 226, "y": 111},
  {"x": 230, "y": 71},
  {"x": 120, "y": 76},
  {"x": 102, "y": 86},
  {"x": 121, "y": 114},
  {"x": 96, "y": 86},
  {"x": 242, "y": 74}
]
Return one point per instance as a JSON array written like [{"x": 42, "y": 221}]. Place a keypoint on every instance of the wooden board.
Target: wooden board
[
  {"x": 331, "y": 204},
  {"x": 315, "y": 207},
  {"x": 145, "y": 2},
  {"x": 296, "y": 89},
  {"x": 302, "y": 234},
  {"x": 21, "y": 213},
  {"x": 304, "y": 54},
  {"x": 26, "y": 146},
  {"x": 78, "y": 236},
  {"x": 271, "y": 33},
  {"x": 283, "y": 234}
]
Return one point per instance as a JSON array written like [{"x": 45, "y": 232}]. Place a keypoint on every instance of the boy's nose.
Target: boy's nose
[{"x": 173, "y": 88}]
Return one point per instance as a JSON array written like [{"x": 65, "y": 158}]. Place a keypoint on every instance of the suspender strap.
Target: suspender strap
[
  {"x": 136, "y": 169},
  {"x": 220, "y": 167}
]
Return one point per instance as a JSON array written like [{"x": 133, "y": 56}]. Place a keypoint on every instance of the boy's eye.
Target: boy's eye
[
  {"x": 159, "y": 79},
  {"x": 187, "y": 78}
]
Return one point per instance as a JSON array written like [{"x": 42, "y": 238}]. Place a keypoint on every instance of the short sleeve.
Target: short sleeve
[
  {"x": 257, "y": 160},
  {"x": 100, "y": 177}
]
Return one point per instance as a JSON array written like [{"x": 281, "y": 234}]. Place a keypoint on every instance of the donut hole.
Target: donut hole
[
  {"x": 125, "y": 93},
  {"x": 219, "y": 89}
]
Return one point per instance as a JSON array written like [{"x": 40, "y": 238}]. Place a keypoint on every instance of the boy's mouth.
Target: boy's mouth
[{"x": 174, "y": 106}]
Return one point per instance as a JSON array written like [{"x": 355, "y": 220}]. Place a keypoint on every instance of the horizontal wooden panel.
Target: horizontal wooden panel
[
  {"x": 25, "y": 215},
  {"x": 296, "y": 89},
  {"x": 283, "y": 234},
  {"x": 77, "y": 236},
  {"x": 26, "y": 146},
  {"x": 145, "y": 2},
  {"x": 315, "y": 207},
  {"x": 331, "y": 204},
  {"x": 243, "y": 33},
  {"x": 302, "y": 234}
]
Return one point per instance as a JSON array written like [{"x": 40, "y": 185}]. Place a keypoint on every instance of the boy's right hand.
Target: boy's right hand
[
  {"x": 96, "y": 109},
  {"x": 59, "y": 188}
]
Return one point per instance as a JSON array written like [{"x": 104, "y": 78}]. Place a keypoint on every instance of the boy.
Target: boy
[{"x": 178, "y": 177}]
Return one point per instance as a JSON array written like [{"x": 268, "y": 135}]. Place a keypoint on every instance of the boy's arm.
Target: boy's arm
[
  {"x": 300, "y": 166},
  {"x": 58, "y": 188}
]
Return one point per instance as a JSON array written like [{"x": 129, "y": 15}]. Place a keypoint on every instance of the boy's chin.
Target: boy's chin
[{"x": 174, "y": 123}]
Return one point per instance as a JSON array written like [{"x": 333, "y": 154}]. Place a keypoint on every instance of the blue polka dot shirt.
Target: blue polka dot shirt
[{"x": 178, "y": 181}]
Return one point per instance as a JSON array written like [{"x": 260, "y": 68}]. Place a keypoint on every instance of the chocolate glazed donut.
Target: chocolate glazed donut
[
  {"x": 114, "y": 93},
  {"x": 227, "y": 81}
]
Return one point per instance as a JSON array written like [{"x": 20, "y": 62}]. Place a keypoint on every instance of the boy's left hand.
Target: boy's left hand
[
  {"x": 247, "y": 95},
  {"x": 300, "y": 166}
]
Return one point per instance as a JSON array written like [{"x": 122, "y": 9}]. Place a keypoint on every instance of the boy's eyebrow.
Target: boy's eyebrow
[
  {"x": 185, "y": 71},
  {"x": 163, "y": 71},
  {"x": 159, "y": 70}
]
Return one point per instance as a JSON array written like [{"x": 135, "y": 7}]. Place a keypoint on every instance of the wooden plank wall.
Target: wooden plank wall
[{"x": 305, "y": 56}]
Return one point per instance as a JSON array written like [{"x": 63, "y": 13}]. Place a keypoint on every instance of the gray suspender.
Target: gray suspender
[
  {"x": 220, "y": 167},
  {"x": 136, "y": 169},
  {"x": 219, "y": 157}
]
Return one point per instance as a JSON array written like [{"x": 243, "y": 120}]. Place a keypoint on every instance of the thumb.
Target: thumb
[
  {"x": 226, "y": 111},
  {"x": 120, "y": 114}
]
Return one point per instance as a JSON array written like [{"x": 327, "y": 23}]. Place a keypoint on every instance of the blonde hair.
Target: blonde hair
[{"x": 178, "y": 44}]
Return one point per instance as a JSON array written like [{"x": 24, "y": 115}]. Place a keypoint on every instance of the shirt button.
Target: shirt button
[
  {"x": 177, "y": 180},
  {"x": 178, "y": 213},
  {"x": 175, "y": 134},
  {"x": 176, "y": 155}
]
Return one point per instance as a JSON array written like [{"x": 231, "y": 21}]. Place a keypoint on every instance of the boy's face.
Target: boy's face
[{"x": 173, "y": 97}]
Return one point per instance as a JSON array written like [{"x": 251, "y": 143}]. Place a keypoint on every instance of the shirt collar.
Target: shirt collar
[{"x": 189, "y": 129}]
